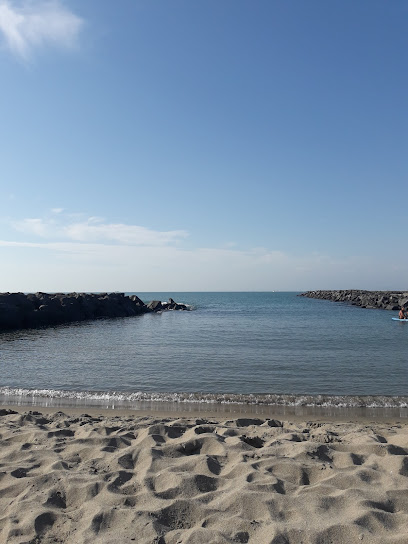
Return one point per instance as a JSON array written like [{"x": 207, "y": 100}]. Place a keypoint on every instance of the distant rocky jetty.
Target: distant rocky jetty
[
  {"x": 22, "y": 311},
  {"x": 385, "y": 300}
]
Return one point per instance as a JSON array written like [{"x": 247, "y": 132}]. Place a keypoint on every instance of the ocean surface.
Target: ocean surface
[{"x": 255, "y": 349}]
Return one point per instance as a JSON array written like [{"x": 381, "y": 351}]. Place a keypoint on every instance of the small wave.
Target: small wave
[{"x": 130, "y": 398}]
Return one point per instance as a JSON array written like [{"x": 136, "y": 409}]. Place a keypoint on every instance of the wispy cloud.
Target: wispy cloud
[
  {"x": 96, "y": 230},
  {"x": 33, "y": 226},
  {"x": 69, "y": 252},
  {"x": 124, "y": 234},
  {"x": 70, "y": 266},
  {"x": 26, "y": 25}
]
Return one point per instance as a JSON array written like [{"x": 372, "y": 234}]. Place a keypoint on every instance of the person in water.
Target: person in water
[{"x": 402, "y": 314}]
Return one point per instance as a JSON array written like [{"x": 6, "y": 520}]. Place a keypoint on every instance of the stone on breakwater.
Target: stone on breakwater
[
  {"x": 158, "y": 306},
  {"x": 155, "y": 305},
  {"x": 385, "y": 300},
  {"x": 20, "y": 311}
]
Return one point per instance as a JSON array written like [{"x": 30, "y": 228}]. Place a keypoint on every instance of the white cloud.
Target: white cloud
[
  {"x": 33, "y": 226},
  {"x": 27, "y": 25},
  {"x": 76, "y": 266},
  {"x": 95, "y": 229},
  {"x": 65, "y": 252},
  {"x": 124, "y": 234}
]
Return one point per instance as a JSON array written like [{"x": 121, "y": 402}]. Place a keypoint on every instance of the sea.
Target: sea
[{"x": 258, "y": 352}]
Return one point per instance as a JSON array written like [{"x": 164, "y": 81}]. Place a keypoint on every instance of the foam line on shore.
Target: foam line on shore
[
  {"x": 383, "y": 408},
  {"x": 335, "y": 401}
]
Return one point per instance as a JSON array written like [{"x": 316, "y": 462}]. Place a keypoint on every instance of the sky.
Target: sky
[{"x": 217, "y": 145}]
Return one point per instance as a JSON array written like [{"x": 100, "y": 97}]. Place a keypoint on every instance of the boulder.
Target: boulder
[
  {"x": 136, "y": 300},
  {"x": 11, "y": 317},
  {"x": 155, "y": 305}
]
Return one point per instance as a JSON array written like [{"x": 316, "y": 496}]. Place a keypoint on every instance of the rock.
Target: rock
[
  {"x": 387, "y": 300},
  {"x": 11, "y": 317},
  {"x": 137, "y": 300},
  {"x": 155, "y": 305},
  {"x": 18, "y": 310}
]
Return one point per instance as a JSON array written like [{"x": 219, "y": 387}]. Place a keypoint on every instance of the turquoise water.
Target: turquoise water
[{"x": 233, "y": 347}]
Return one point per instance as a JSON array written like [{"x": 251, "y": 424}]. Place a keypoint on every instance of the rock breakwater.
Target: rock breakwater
[
  {"x": 22, "y": 311},
  {"x": 385, "y": 300}
]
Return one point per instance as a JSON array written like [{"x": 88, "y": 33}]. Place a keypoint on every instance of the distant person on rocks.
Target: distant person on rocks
[{"x": 402, "y": 314}]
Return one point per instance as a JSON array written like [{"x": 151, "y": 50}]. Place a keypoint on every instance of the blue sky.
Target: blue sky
[{"x": 211, "y": 145}]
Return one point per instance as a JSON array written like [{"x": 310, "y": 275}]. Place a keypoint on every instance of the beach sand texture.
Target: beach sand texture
[{"x": 146, "y": 479}]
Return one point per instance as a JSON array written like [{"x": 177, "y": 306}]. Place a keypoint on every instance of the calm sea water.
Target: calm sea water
[{"x": 261, "y": 348}]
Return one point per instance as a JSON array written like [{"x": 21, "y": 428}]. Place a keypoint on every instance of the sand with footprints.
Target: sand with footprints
[{"x": 79, "y": 478}]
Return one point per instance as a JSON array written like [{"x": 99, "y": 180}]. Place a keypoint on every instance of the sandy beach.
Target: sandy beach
[{"x": 112, "y": 477}]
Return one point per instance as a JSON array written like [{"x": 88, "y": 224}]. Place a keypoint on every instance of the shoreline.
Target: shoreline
[{"x": 177, "y": 410}]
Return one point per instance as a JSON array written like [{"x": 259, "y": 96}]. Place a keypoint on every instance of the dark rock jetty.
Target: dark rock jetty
[
  {"x": 385, "y": 300},
  {"x": 23, "y": 311}
]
